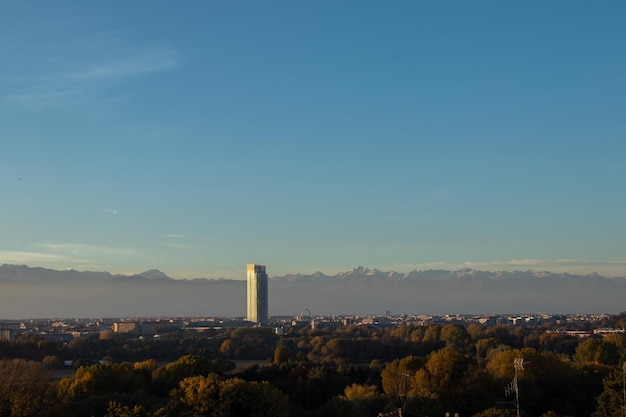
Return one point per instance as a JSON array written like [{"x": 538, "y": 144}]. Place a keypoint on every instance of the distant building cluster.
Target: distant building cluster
[
  {"x": 65, "y": 330},
  {"x": 147, "y": 327},
  {"x": 8, "y": 329}
]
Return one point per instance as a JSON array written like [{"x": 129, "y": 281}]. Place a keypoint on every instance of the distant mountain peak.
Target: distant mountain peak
[
  {"x": 153, "y": 274},
  {"x": 363, "y": 270}
]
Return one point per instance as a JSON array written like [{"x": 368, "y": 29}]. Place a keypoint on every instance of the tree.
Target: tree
[
  {"x": 357, "y": 392},
  {"x": 92, "y": 388},
  {"x": 597, "y": 351},
  {"x": 25, "y": 390},
  {"x": 97, "y": 380},
  {"x": 51, "y": 362},
  {"x": 484, "y": 346},
  {"x": 199, "y": 395},
  {"x": 227, "y": 348},
  {"x": 557, "y": 343},
  {"x": 452, "y": 382},
  {"x": 476, "y": 331},
  {"x": 493, "y": 412},
  {"x": 432, "y": 336},
  {"x": 548, "y": 383},
  {"x": 281, "y": 354},
  {"x": 166, "y": 378},
  {"x": 119, "y": 410},
  {"x": 213, "y": 396},
  {"x": 610, "y": 401},
  {"x": 396, "y": 377},
  {"x": 143, "y": 374},
  {"x": 455, "y": 336},
  {"x": 358, "y": 401},
  {"x": 552, "y": 414}
]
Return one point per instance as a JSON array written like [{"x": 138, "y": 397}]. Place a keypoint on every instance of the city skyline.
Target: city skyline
[{"x": 399, "y": 137}]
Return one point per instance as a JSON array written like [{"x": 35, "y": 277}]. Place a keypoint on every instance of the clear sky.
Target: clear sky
[{"x": 195, "y": 137}]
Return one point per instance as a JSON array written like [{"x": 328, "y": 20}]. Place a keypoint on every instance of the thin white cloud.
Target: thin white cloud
[
  {"x": 25, "y": 257},
  {"x": 82, "y": 249},
  {"x": 77, "y": 71},
  {"x": 191, "y": 238},
  {"x": 134, "y": 64},
  {"x": 173, "y": 236},
  {"x": 526, "y": 263},
  {"x": 109, "y": 210},
  {"x": 39, "y": 96},
  {"x": 179, "y": 241},
  {"x": 181, "y": 245}
]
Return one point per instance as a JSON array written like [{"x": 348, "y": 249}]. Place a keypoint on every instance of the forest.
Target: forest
[{"x": 332, "y": 371}]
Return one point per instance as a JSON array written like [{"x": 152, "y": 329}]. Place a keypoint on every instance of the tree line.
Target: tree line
[{"x": 331, "y": 371}]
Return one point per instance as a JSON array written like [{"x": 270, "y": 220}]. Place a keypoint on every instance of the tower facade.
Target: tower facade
[{"x": 257, "y": 294}]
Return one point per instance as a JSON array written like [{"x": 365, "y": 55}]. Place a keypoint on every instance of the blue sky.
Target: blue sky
[{"x": 197, "y": 137}]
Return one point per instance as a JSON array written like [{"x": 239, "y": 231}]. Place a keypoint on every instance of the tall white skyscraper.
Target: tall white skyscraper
[{"x": 257, "y": 294}]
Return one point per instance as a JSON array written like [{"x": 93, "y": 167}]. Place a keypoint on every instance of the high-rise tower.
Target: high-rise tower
[{"x": 257, "y": 294}]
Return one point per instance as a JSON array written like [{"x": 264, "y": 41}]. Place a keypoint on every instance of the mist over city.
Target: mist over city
[{"x": 27, "y": 292}]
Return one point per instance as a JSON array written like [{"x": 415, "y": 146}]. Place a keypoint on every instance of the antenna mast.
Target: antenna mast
[
  {"x": 513, "y": 387},
  {"x": 518, "y": 364}
]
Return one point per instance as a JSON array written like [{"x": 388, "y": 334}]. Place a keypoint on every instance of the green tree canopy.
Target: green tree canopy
[
  {"x": 598, "y": 351},
  {"x": 548, "y": 382},
  {"x": 396, "y": 377},
  {"x": 452, "y": 382},
  {"x": 25, "y": 390},
  {"x": 166, "y": 378},
  {"x": 90, "y": 381},
  {"x": 214, "y": 396},
  {"x": 611, "y": 400}
]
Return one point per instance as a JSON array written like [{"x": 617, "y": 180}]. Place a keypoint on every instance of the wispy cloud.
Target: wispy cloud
[
  {"x": 25, "y": 257},
  {"x": 72, "y": 72},
  {"x": 82, "y": 249},
  {"x": 109, "y": 210},
  {"x": 133, "y": 63},
  {"x": 69, "y": 255},
  {"x": 173, "y": 236},
  {"x": 41, "y": 95},
  {"x": 181, "y": 245},
  {"x": 178, "y": 241}
]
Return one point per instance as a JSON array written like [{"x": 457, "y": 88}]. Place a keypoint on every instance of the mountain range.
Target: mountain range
[{"x": 27, "y": 292}]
